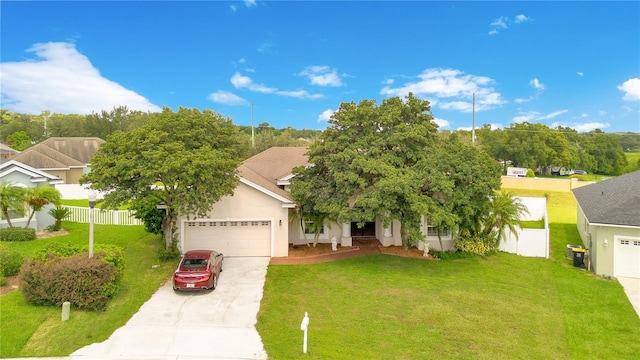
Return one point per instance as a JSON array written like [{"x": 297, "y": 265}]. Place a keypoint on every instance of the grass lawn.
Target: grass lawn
[
  {"x": 30, "y": 331},
  {"x": 498, "y": 307}
]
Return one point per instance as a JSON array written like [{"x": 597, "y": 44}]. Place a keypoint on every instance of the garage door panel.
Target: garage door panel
[
  {"x": 232, "y": 238},
  {"x": 626, "y": 257}
]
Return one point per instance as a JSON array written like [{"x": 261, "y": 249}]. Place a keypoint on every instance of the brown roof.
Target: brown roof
[
  {"x": 61, "y": 152},
  {"x": 271, "y": 165}
]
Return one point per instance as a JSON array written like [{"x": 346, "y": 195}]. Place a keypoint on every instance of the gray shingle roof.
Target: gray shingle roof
[
  {"x": 271, "y": 165},
  {"x": 60, "y": 152},
  {"x": 615, "y": 201}
]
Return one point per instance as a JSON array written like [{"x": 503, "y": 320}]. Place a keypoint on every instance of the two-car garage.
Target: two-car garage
[
  {"x": 626, "y": 257},
  {"x": 237, "y": 237}
]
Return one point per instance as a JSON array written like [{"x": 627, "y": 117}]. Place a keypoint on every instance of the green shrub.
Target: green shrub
[
  {"x": 87, "y": 283},
  {"x": 3, "y": 281},
  {"x": 451, "y": 255},
  {"x": 476, "y": 245},
  {"x": 57, "y": 250},
  {"x": 17, "y": 234},
  {"x": 530, "y": 174},
  {"x": 580, "y": 177},
  {"x": 170, "y": 254},
  {"x": 109, "y": 254},
  {"x": 10, "y": 261}
]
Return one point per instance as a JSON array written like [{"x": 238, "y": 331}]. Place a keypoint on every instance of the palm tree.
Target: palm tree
[
  {"x": 38, "y": 197},
  {"x": 59, "y": 213},
  {"x": 11, "y": 199},
  {"x": 506, "y": 212}
]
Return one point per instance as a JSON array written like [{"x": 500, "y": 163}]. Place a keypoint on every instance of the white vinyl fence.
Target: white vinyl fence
[{"x": 103, "y": 217}]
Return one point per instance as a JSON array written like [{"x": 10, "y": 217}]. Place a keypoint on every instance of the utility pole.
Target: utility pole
[{"x": 473, "y": 119}]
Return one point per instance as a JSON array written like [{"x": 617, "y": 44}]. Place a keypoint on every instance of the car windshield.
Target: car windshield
[{"x": 194, "y": 263}]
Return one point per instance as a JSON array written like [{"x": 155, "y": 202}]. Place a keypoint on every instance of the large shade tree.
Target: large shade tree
[
  {"x": 185, "y": 160},
  {"x": 385, "y": 162}
]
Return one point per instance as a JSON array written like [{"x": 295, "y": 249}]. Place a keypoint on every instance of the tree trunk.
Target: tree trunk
[
  {"x": 168, "y": 228},
  {"x": 404, "y": 235}
]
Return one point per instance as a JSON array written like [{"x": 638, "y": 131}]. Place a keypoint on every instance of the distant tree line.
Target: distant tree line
[
  {"x": 534, "y": 146},
  {"x": 20, "y": 131}
]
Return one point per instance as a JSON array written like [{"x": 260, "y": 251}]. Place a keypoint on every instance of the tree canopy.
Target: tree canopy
[
  {"x": 388, "y": 162},
  {"x": 186, "y": 160}
]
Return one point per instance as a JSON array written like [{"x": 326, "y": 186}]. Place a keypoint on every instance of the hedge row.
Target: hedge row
[{"x": 17, "y": 234}]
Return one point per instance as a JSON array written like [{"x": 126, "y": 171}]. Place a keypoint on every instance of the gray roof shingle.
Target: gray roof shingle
[{"x": 614, "y": 201}]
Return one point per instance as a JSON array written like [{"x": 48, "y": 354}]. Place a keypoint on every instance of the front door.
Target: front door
[{"x": 369, "y": 230}]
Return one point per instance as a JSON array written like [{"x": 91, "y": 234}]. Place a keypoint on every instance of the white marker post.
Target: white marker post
[{"x": 304, "y": 327}]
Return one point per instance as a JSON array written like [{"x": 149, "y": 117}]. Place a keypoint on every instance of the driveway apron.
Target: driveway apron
[
  {"x": 217, "y": 324},
  {"x": 632, "y": 289}
]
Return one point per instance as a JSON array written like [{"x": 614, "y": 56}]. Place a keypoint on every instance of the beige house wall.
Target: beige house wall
[
  {"x": 600, "y": 256},
  {"x": 548, "y": 184},
  {"x": 249, "y": 203}
]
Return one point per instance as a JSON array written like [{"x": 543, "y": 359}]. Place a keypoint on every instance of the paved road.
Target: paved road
[{"x": 217, "y": 324}]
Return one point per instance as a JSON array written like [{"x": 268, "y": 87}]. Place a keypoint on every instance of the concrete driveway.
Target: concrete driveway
[
  {"x": 632, "y": 289},
  {"x": 217, "y": 324}
]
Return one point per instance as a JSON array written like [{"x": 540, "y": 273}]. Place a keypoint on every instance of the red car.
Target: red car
[{"x": 198, "y": 270}]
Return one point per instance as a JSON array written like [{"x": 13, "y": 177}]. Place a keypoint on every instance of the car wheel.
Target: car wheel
[
  {"x": 215, "y": 282},
  {"x": 222, "y": 263}
]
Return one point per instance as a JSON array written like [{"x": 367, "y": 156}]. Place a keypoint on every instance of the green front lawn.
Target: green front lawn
[
  {"x": 499, "y": 307},
  {"x": 28, "y": 330}
]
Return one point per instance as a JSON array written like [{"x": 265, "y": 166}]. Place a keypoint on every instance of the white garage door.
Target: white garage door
[
  {"x": 232, "y": 238},
  {"x": 626, "y": 257}
]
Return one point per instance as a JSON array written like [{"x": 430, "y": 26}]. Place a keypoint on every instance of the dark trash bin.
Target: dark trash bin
[
  {"x": 570, "y": 250},
  {"x": 578, "y": 257}
]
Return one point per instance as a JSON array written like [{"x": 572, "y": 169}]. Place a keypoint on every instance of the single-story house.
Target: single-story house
[
  {"x": 257, "y": 219},
  {"x": 65, "y": 157},
  {"x": 609, "y": 225},
  {"x": 7, "y": 152},
  {"x": 23, "y": 175}
]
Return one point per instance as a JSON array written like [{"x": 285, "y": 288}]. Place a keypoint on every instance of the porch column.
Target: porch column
[
  {"x": 346, "y": 235},
  {"x": 387, "y": 231}
]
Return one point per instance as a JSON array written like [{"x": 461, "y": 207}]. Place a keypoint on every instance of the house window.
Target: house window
[
  {"x": 309, "y": 227},
  {"x": 432, "y": 231},
  {"x": 14, "y": 215},
  {"x": 213, "y": 223},
  {"x": 265, "y": 223},
  {"x": 254, "y": 223},
  {"x": 234, "y": 223},
  {"x": 636, "y": 243},
  {"x": 244, "y": 223},
  {"x": 624, "y": 242},
  {"x": 223, "y": 223},
  {"x": 202, "y": 224}
]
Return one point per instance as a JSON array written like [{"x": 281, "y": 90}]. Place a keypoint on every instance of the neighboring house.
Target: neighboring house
[
  {"x": 65, "y": 157},
  {"x": 25, "y": 176},
  {"x": 609, "y": 224},
  {"x": 7, "y": 152},
  {"x": 257, "y": 221}
]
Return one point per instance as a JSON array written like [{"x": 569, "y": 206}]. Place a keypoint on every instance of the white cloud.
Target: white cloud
[
  {"x": 227, "y": 98},
  {"x": 521, "y": 100},
  {"x": 503, "y": 22},
  {"x": 267, "y": 47},
  {"x": 388, "y": 81},
  {"x": 62, "y": 80},
  {"x": 553, "y": 115},
  {"x": 631, "y": 89},
  {"x": 536, "y": 84},
  {"x": 583, "y": 127},
  {"x": 500, "y": 22},
  {"x": 580, "y": 73},
  {"x": 322, "y": 76},
  {"x": 526, "y": 117},
  {"x": 249, "y": 3},
  {"x": 244, "y": 82},
  {"x": 536, "y": 116},
  {"x": 325, "y": 115},
  {"x": 442, "y": 123},
  {"x": 450, "y": 89}
]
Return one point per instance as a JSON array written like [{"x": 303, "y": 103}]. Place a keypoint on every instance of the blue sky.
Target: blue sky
[{"x": 573, "y": 64}]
